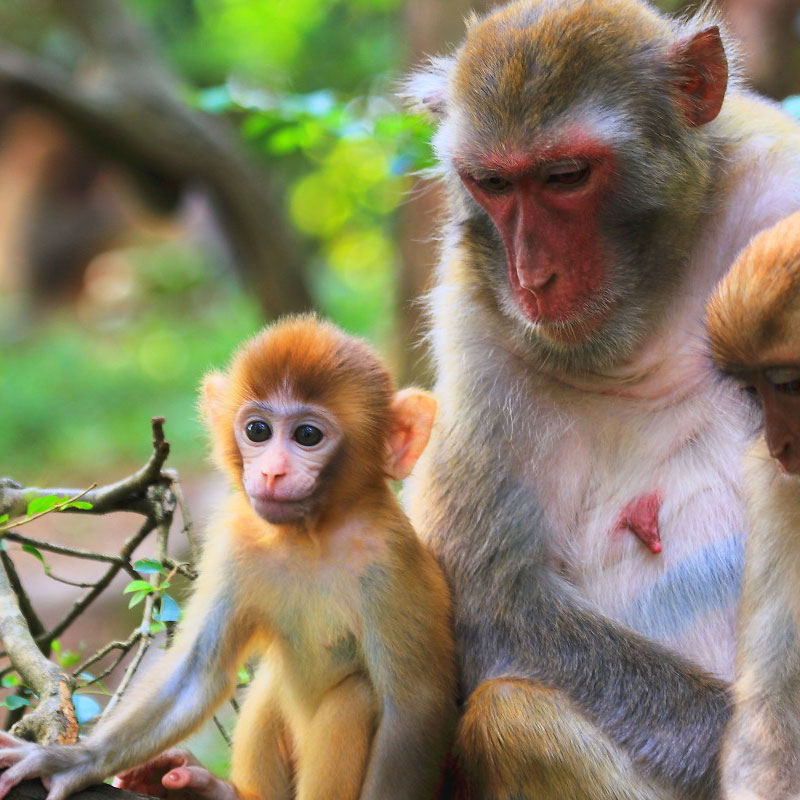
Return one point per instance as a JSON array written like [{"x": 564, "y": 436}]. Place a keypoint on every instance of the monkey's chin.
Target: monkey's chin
[
  {"x": 565, "y": 330},
  {"x": 281, "y": 512}
]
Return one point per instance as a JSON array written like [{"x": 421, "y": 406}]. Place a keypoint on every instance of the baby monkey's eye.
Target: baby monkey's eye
[
  {"x": 258, "y": 431},
  {"x": 307, "y": 435}
]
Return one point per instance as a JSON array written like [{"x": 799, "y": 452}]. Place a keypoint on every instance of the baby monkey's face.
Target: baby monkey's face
[
  {"x": 777, "y": 390},
  {"x": 285, "y": 446}
]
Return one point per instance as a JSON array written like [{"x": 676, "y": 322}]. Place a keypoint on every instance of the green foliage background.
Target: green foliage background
[{"x": 310, "y": 84}]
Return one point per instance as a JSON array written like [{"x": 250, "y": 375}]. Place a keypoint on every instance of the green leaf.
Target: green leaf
[
  {"x": 29, "y": 548},
  {"x": 55, "y": 646},
  {"x": 15, "y": 701},
  {"x": 137, "y": 598},
  {"x": 3, "y": 518},
  {"x": 69, "y": 658},
  {"x": 243, "y": 675},
  {"x": 41, "y": 504},
  {"x": 82, "y": 504},
  {"x": 170, "y": 610},
  {"x": 12, "y": 679},
  {"x": 149, "y": 566},
  {"x": 157, "y": 627},
  {"x": 86, "y": 708},
  {"x": 138, "y": 586}
]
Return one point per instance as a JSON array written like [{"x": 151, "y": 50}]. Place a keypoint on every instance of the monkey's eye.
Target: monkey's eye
[
  {"x": 571, "y": 175},
  {"x": 307, "y": 435},
  {"x": 494, "y": 184},
  {"x": 785, "y": 380},
  {"x": 790, "y": 387},
  {"x": 258, "y": 431}
]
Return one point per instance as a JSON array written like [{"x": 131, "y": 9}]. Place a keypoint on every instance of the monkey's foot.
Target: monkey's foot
[{"x": 640, "y": 517}]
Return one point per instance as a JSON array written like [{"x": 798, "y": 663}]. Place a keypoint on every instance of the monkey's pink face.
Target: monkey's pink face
[
  {"x": 546, "y": 207},
  {"x": 778, "y": 392},
  {"x": 285, "y": 446}
]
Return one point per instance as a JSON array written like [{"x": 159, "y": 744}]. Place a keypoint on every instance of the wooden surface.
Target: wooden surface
[{"x": 33, "y": 790}]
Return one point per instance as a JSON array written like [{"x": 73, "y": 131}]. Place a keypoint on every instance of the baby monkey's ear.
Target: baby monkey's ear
[
  {"x": 413, "y": 412},
  {"x": 212, "y": 397}
]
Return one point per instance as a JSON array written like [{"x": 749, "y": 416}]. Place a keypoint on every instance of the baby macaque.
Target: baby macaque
[
  {"x": 313, "y": 564},
  {"x": 754, "y": 328}
]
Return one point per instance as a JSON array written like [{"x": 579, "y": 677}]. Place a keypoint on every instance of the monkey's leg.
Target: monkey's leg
[
  {"x": 520, "y": 741},
  {"x": 260, "y": 767},
  {"x": 333, "y": 746}
]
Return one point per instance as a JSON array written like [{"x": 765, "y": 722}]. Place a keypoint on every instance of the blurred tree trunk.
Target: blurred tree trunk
[
  {"x": 433, "y": 27},
  {"x": 128, "y": 107}
]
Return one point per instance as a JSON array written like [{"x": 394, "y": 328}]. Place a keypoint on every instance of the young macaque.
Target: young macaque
[
  {"x": 754, "y": 328},
  {"x": 313, "y": 563}
]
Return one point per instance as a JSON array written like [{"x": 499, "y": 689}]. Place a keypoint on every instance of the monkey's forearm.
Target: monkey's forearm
[
  {"x": 151, "y": 720},
  {"x": 666, "y": 713},
  {"x": 172, "y": 699}
]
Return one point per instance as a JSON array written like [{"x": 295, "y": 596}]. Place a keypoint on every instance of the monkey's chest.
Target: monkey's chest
[
  {"x": 316, "y": 626},
  {"x": 653, "y": 537}
]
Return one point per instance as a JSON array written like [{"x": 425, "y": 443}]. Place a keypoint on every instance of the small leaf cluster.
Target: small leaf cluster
[{"x": 169, "y": 610}]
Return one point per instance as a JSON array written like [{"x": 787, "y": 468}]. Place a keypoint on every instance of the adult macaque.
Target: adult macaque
[
  {"x": 313, "y": 563},
  {"x": 581, "y": 488},
  {"x": 754, "y": 328}
]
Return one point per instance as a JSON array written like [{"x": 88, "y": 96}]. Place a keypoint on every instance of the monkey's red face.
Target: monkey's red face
[
  {"x": 546, "y": 207},
  {"x": 285, "y": 446}
]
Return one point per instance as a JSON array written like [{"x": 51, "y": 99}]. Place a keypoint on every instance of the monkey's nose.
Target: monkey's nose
[
  {"x": 537, "y": 281},
  {"x": 783, "y": 452},
  {"x": 272, "y": 479}
]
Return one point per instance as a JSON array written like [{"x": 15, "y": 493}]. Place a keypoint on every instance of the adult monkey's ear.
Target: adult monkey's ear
[
  {"x": 425, "y": 90},
  {"x": 700, "y": 69},
  {"x": 413, "y": 412}
]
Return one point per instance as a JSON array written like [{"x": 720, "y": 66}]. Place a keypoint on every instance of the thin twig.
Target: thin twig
[
  {"x": 188, "y": 525},
  {"x": 182, "y": 568},
  {"x": 84, "y": 602},
  {"x": 124, "y": 648},
  {"x": 35, "y": 624},
  {"x": 223, "y": 731},
  {"x": 68, "y": 582},
  {"x": 144, "y": 644},
  {"x": 20, "y": 521},
  {"x": 60, "y": 549}
]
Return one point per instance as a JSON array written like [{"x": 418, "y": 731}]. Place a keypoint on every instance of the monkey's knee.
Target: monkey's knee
[{"x": 518, "y": 740}]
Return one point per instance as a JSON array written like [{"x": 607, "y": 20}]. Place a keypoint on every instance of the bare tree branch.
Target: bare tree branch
[
  {"x": 129, "y": 494},
  {"x": 53, "y": 720}
]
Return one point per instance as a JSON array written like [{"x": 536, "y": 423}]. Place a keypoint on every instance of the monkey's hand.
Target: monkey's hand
[
  {"x": 173, "y": 775},
  {"x": 63, "y": 769}
]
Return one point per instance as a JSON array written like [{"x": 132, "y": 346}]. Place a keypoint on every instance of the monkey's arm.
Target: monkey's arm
[
  {"x": 760, "y": 750},
  {"x": 516, "y": 617},
  {"x": 168, "y": 702},
  {"x": 409, "y": 653}
]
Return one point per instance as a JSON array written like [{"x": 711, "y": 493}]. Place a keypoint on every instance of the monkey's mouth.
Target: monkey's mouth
[
  {"x": 278, "y": 512},
  {"x": 564, "y": 329},
  {"x": 565, "y": 320}
]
